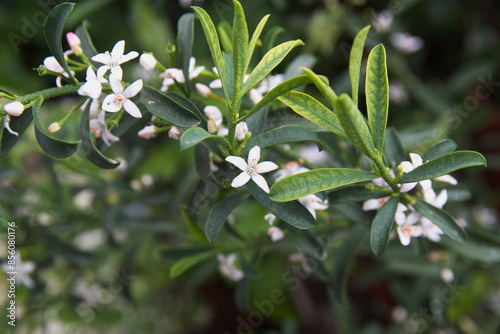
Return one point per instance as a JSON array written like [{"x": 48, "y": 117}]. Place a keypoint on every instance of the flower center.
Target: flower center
[
  {"x": 119, "y": 99},
  {"x": 251, "y": 170}
]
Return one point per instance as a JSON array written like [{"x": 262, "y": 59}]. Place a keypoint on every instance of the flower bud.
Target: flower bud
[
  {"x": 147, "y": 61},
  {"x": 14, "y": 108},
  {"x": 212, "y": 127},
  {"x": 275, "y": 233},
  {"x": 147, "y": 132},
  {"x": 74, "y": 43},
  {"x": 175, "y": 132},
  {"x": 54, "y": 127},
  {"x": 241, "y": 131},
  {"x": 203, "y": 90}
]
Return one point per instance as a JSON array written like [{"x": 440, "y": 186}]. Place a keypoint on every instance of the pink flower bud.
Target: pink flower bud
[
  {"x": 175, "y": 132},
  {"x": 203, "y": 90},
  {"x": 147, "y": 132},
  {"x": 241, "y": 131},
  {"x": 54, "y": 127},
  {"x": 14, "y": 108},
  {"x": 147, "y": 61},
  {"x": 74, "y": 43}
]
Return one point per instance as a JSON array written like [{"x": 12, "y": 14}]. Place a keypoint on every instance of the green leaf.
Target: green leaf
[
  {"x": 355, "y": 193},
  {"x": 225, "y": 36},
  {"x": 88, "y": 47},
  {"x": 240, "y": 45},
  {"x": 442, "y": 219},
  {"x": 255, "y": 38},
  {"x": 476, "y": 248},
  {"x": 89, "y": 148},
  {"x": 300, "y": 185},
  {"x": 277, "y": 91},
  {"x": 185, "y": 37},
  {"x": 312, "y": 110},
  {"x": 443, "y": 147},
  {"x": 270, "y": 38},
  {"x": 270, "y": 60},
  {"x": 169, "y": 256},
  {"x": 355, "y": 59},
  {"x": 354, "y": 125},
  {"x": 54, "y": 147},
  {"x": 188, "y": 105},
  {"x": 166, "y": 108},
  {"x": 381, "y": 226},
  {"x": 321, "y": 84},
  {"x": 4, "y": 92},
  {"x": 188, "y": 262},
  {"x": 18, "y": 124},
  {"x": 443, "y": 165},
  {"x": 393, "y": 148},
  {"x": 193, "y": 136},
  {"x": 283, "y": 134},
  {"x": 53, "y": 31},
  {"x": 219, "y": 213},
  {"x": 377, "y": 95},
  {"x": 3, "y": 221},
  {"x": 292, "y": 213}
]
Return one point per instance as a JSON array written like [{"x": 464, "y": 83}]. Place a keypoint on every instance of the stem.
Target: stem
[
  {"x": 384, "y": 172},
  {"x": 49, "y": 93}
]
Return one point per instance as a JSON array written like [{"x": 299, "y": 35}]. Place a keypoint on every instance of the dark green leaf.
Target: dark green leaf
[
  {"x": 283, "y": 134},
  {"x": 354, "y": 125},
  {"x": 321, "y": 84},
  {"x": 88, "y": 47},
  {"x": 381, "y": 226},
  {"x": 475, "y": 248},
  {"x": 53, "y": 31},
  {"x": 225, "y": 36},
  {"x": 377, "y": 95},
  {"x": 303, "y": 184},
  {"x": 443, "y": 147},
  {"x": 187, "y": 104},
  {"x": 394, "y": 151},
  {"x": 218, "y": 215},
  {"x": 292, "y": 213},
  {"x": 355, "y": 61},
  {"x": 188, "y": 262},
  {"x": 7, "y": 93},
  {"x": 17, "y": 124},
  {"x": 185, "y": 37},
  {"x": 172, "y": 255},
  {"x": 240, "y": 44},
  {"x": 193, "y": 136},
  {"x": 443, "y": 165},
  {"x": 355, "y": 193},
  {"x": 442, "y": 219},
  {"x": 312, "y": 110},
  {"x": 54, "y": 147},
  {"x": 166, "y": 108},
  {"x": 89, "y": 148}
]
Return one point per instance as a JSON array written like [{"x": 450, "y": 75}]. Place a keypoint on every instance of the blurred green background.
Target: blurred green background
[{"x": 96, "y": 236}]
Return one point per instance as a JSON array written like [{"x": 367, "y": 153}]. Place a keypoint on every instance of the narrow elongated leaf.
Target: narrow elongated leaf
[
  {"x": 444, "y": 164},
  {"x": 270, "y": 60},
  {"x": 377, "y": 95},
  {"x": 17, "y": 124},
  {"x": 270, "y": 38},
  {"x": 240, "y": 44},
  {"x": 355, "y": 61},
  {"x": 475, "y": 248},
  {"x": 292, "y": 213},
  {"x": 211, "y": 36},
  {"x": 381, "y": 226},
  {"x": 187, "y": 104},
  {"x": 300, "y": 185},
  {"x": 225, "y": 31},
  {"x": 88, "y": 47},
  {"x": 312, "y": 110},
  {"x": 277, "y": 91},
  {"x": 54, "y": 147},
  {"x": 166, "y": 108},
  {"x": 283, "y": 134},
  {"x": 321, "y": 84},
  {"x": 4, "y": 92},
  {"x": 255, "y": 38},
  {"x": 53, "y": 31},
  {"x": 354, "y": 125},
  {"x": 219, "y": 213},
  {"x": 170, "y": 256},
  {"x": 443, "y": 147},
  {"x": 193, "y": 136},
  {"x": 89, "y": 148},
  {"x": 185, "y": 37},
  {"x": 355, "y": 193},
  {"x": 442, "y": 219},
  {"x": 393, "y": 148},
  {"x": 188, "y": 262}
]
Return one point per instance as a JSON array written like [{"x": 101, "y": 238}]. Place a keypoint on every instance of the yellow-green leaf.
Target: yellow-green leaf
[{"x": 355, "y": 61}]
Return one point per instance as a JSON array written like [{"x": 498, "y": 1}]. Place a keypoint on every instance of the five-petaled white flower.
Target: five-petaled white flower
[
  {"x": 113, "y": 60},
  {"x": 99, "y": 128},
  {"x": 313, "y": 203},
  {"x": 252, "y": 169},
  {"x": 92, "y": 88},
  {"x": 416, "y": 161},
  {"x": 406, "y": 225},
  {"x": 121, "y": 98}
]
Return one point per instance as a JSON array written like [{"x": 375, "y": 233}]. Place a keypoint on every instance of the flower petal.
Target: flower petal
[
  {"x": 238, "y": 162},
  {"x": 118, "y": 49},
  {"x": 133, "y": 89},
  {"x": 129, "y": 56},
  {"x": 266, "y": 166},
  {"x": 102, "y": 58},
  {"x": 416, "y": 159},
  {"x": 261, "y": 182},
  {"x": 407, "y": 166},
  {"x": 110, "y": 105},
  {"x": 117, "y": 72},
  {"x": 240, "y": 180},
  {"x": 115, "y": 84},
  {"x": 132, "y": 109},
  {"x": 254, "y": 156},
  {"x": 446, "y": 178}
]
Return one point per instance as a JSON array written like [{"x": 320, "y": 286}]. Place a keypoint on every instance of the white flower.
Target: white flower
[
  {"x": 53, "y": 65},
  {"x": 148, "y": 132},
  {"x": 147, "y": 61},
  {"x": 407, "y": 43},
  {"x": 175, "y": 132},
  {"x": 447, "y": 275},
  {"x": 227, "y": 267},
  {"x": 312, "y": 154},
  {"x": 255, "y": 95},
  {"x": 270, "y": 218},
  {"x": 83, "y": 200},
  {"x": 92, "y": 88},
  {"x": 14, "y": 108},
  {"x": 416, "y": 161},
  {"x": 383, "y": 21},
  {"x": 193, "y": 70},
  {"x": 214, "y": 114},
  {"x": 113, "y": 60},
  {"x": 22, "y": 270},
  {"x": 406, "y": 228},
  {"x": 290, "y": 168},
  {"x": 6, "y": 125},
  {"x": 203, "y": 90},
  {"x": 313, "y": 203},
  {"x": 275, "y": 233},
  {"x": 375, "y": 203},
  {"x": 90, "y": 240},
  {"x": 252, "y": 169},
  {"x": 172, "y": 75},
  {"x": 241, "y": 131},
  {"x": 99, "y": 128},
  {"x": 54, "y": 127},
  {"x": 121, "y": 98}
]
